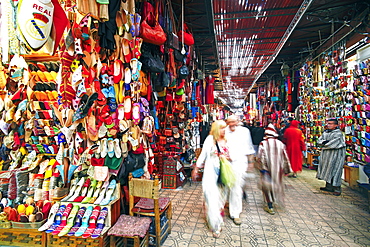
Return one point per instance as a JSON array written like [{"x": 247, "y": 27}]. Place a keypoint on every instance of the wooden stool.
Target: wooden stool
[{"x": 131, "y": 230}]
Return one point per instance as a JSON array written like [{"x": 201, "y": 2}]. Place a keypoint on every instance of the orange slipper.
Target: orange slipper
[{"x": 42, "y": 76}]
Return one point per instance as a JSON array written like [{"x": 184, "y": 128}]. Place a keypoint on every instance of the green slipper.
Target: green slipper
[
  {"x": 93, "y": 185},
  {"x": 70, "y": 221}
]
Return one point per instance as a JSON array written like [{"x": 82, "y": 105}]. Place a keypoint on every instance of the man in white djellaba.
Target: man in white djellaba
[{"x": 241, "y": 153}]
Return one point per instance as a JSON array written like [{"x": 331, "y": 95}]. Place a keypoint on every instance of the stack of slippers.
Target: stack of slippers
[
  {"x": 73, "y": 220},
  {"x": 30, "y": 212}
]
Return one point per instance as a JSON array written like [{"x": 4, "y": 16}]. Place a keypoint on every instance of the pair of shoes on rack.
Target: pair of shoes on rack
[{"x": 106, "y": 193}]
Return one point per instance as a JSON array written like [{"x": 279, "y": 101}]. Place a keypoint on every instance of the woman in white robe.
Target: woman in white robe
[{"x": 213, "y": 193}]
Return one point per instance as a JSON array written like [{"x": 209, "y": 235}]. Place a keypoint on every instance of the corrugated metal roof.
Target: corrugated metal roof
[{"x": 248, "y": 33}]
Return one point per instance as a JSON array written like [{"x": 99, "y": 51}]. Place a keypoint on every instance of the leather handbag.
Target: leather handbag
[
  {"x": 172, "y": 37},
  {"x": 186, "y": 36},
  {"x": 152, "y": 34},
  {"x": 151, "y": 63}
]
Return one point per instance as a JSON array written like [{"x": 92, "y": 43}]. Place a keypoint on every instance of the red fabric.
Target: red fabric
[
  {"x": 60, "y": 22},
  {"x": 293, "y": 138},
  {"x": 210, "y": 99}
]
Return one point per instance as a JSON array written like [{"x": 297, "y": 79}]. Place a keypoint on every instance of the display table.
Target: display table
[
  {"x": 351, "y": 176},
  {"x": 310, "y": 160}
]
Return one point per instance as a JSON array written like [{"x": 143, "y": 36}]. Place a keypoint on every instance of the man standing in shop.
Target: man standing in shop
[
  {"x": 241, "y": 153},
  {"x": 333, "y": 151}
]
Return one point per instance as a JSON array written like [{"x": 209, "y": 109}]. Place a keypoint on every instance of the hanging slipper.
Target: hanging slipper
[
  {"x": 119, "y": 22},
  {"x": 110, "y": 145},
  {"x": 59, "y": 162},
  {"x": 127, "y": 79},
  {"x": 135, "y": 137},
  {"x": 92, "y": 131},
  {"x": 132, "y": 27},
  {"x": 126, "y": 52},
  {"x": 137, "y": 47},
  {"x": 127, "y": 105},
  {"x": 121, "y": 91},
  {"x": 121, "y": 112},
  {"x": 117, "y": 71},
  {"x": 136, "y": 67},
  {"x": 136, "y": 113},
  {"x": 137, "y": 24},
  {"x": 89, "y": 103}
]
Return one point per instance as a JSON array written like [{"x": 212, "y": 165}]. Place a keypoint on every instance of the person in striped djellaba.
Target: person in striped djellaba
[
  {"x": 333, "y": 152},
  {"x": 273, "y": 162}
]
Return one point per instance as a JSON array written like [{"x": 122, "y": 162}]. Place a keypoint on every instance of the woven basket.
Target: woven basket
[
  {"x": 22, "y": 237},
  {"x": 55, "y": 241}
]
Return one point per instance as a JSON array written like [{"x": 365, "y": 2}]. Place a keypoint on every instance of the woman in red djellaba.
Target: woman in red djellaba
[{"x": 294, "y": 141}]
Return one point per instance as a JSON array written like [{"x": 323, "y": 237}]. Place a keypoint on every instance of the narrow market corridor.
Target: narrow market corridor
[{"x": 310, "y": 217}]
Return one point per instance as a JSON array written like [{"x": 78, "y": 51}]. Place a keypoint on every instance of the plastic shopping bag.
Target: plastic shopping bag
[{"x": 226, "y": 172}]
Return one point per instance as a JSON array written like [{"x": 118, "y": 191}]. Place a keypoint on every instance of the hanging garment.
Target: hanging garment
[{"x": 210, "y": 98}]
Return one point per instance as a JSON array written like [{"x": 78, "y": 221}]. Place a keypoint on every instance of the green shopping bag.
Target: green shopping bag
[{"x": 226, "y": 172}]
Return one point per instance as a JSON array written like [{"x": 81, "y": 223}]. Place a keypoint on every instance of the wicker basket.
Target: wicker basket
[
  {"x": 55, "y": 241},
  {"x": 22, "y": 237},
  {"x": 5, "y": 224},
  {"x": 34, "y": 225}
]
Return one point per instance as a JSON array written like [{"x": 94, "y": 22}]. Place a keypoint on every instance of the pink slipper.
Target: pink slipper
[
  {"x": 92, "y": 222},
  {"x": 127, "y": 106},
  {"x": 136, "y": 113}
]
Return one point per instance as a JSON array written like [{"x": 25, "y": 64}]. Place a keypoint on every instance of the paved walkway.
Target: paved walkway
[{"x": 310, "y": 218}]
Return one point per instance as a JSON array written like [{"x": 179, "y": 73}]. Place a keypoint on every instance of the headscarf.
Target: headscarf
[
  {"x": 294, "y": 124},
  {"x": 270, "y": 132}
]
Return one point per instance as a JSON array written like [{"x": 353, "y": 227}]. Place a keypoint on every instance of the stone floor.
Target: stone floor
[{"x": 310, "y": 217}]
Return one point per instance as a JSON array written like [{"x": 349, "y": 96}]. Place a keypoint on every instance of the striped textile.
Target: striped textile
[
  {"x": 332, "y": 157},
  {"x": 274, "y": 159}
]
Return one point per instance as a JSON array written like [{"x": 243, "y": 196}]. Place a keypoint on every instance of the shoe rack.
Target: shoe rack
[{"x": 103, "y": 240}]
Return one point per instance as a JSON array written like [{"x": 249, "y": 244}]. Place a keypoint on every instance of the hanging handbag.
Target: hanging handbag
[
  {"x": 178, "y": 56},
  {"x": 186, "y": 36},
  {"x": 151, "y": 63},
  {"x": 152, "y": 34},
  {"x": 172, "y": 37},
  {"x": 147, "y": 9},
  {"x": 183, "y": 72}
]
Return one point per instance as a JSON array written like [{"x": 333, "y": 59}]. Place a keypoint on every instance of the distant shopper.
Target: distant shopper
[
  {"x": 213, "y": 193},
  {"x": 333, "y": 151},
  {"x": 286, "y": 126},
  {"x": 294, "y": 141},
  {"x": 273, "y": 163},
  {"x": 257, "y": 133}
]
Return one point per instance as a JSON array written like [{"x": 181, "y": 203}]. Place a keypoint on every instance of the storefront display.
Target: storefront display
[{"x": 89, "y": 94}]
